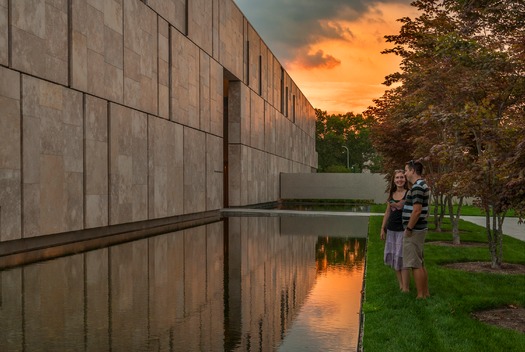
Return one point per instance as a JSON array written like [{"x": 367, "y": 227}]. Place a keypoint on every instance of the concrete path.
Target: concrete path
[{"x": 510, "y": 226}]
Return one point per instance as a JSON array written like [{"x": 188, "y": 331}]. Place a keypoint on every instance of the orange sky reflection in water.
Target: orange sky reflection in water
[{"x": 330, "y": 314}]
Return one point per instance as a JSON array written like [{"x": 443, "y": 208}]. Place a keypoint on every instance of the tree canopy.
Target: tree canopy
[
  {"x": 344, "y": 138},
  {"x": 458, "y": 103}
]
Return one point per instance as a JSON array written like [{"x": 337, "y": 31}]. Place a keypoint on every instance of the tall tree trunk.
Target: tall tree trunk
[
  {"x": 443, "y": 206},
  {"x": 454, "y": 219},
  {"x": 495, "y": 237},
  {"x": 437, "y": 222}
]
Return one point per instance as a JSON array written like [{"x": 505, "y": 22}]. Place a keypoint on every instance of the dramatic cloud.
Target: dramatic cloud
[
  {"x": 331, "y": 48},
  {"x": 290, "y": 26},
  {"x": 318, "y": 60}
]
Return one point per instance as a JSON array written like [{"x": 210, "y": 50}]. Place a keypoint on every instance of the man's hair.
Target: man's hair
[{"x": 415, "y": 165}]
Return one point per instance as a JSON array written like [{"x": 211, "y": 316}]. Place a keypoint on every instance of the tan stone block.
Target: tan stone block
[
  {"x": 95, "y": 29},
  {"x": 31, "y": 208},
  {"x": 56, "y": 33},
  {"x": 10, "y": 134},
  {"x": 29, "y": 16},
  {"x": 96, "y": 126},
  {"x": 113, "y": 15},
  {"x": 79, "y": 61},
  {"x": 74, "y": 217},
  {"x": 200, "y": 24},
  {"x": 10, "y": 204},
  {"x": 214, "y": 172},
  {"x": 140, "y": 42},
  {"x": 194, "y": 171},
  {"x": 73, "y": 152},
  {"x": 132, "y": 65},
  {"x": 216, "y": 98},
  {"x": 215, "y": 31},
  {"x": 128, "y": 165},
  {"x": 113, "y": 83},
  {"x": 96, "y": 71},
  {"x": 185, "y": 81},
  {"x": 27, "y": 51},
  {"x": 52, "y": 194},
  {"x": 204, "y": 93},
  {"x": 39, "y": 40},
  {"x": 256, "y": 121},
  {"x": 96, "y": 168},
  {"x": 234, "y": 174},
  {"x": 4, "y": 34},
  {"x": 231, "y": 22},
  {"x": 32, "y": 149},
  {"x": 165, "y": 168},
  {"x": 164, "y": 96},
  {"x": 97, "y": 4},
  {"x": 113, "y": 48}
]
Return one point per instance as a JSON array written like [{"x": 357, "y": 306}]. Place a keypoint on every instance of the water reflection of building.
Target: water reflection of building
[{"x": 196, "y": 289}]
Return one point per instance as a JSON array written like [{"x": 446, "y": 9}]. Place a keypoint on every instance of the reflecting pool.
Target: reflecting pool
[{"x": 239, "y": 284}]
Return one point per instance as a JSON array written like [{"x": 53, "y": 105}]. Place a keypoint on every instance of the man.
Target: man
[{"x": 415, "y": 212}]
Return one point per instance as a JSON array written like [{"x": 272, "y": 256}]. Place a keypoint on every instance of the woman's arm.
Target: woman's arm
[{"x": 385, "y": 221}]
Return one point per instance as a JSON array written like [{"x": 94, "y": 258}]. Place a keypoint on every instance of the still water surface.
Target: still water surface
[{"x": 241, "y": 284}]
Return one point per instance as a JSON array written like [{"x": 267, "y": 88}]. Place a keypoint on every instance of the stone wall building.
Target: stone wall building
[{"x": 122, "y": 111}]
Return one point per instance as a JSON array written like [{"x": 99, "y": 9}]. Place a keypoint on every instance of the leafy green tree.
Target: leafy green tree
[
  {"x": 458, "y": 102},
  {"x": 335, "y": 133}
]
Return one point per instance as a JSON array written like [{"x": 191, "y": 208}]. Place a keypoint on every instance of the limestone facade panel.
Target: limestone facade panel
[
  {"x": 200, "y": 23},
  {"x": 214, "y": 172},
  {"x": 194, "y": 170},
  {"x": 4, "y": 33},
  {"x": 184, "y": 80},
  {"x": 165, "y": 157},
  {"x": 52, "y": 158},
  {"x": 39, "y": 34},
  {"x": 216, "y": 99},
  {"x": 117, "y": 111},
  {"x": 231, "y": 35},
  {"x": 96, "y": 162},
  {"x": 172, "y": 11},
  {"x": 163, "y": 68},
  {"x": 97, "y": 48},
  {"x": 140, "y": 57},
  {"x": 10, "y": 158},
  {"x": 128, "y": 171}
]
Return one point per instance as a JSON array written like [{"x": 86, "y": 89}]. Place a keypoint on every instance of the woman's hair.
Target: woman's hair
[{"x": 393, "y": 186}]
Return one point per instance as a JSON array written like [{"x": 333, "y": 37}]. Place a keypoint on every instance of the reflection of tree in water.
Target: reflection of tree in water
[{"x": 343, "y": 252}]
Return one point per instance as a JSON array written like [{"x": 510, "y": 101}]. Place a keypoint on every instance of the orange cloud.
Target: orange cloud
[
  {"x": 317, "y": 60},
  {"x": 345, "y": 74}
]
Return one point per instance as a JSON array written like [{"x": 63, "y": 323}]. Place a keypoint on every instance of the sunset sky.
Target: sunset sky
[{"x": 331, "y": 48}]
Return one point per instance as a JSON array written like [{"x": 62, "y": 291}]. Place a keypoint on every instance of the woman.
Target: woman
[{"x": 392, "y": 228}]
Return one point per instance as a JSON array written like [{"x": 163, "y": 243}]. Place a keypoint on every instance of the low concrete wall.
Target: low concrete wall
[{"x": 334, "y": 186}]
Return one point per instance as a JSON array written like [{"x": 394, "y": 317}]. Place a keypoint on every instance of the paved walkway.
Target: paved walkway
[{"x": 510, "y": 225}]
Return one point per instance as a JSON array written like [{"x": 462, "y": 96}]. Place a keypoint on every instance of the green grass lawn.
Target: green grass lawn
[{"x": 394, "y": 321}]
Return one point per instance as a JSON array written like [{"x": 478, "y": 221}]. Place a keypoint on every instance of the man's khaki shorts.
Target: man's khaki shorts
[{"x": 413, "y": 249}]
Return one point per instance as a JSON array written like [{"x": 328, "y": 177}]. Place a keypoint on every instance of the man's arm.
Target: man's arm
[{"x": 416, "y": 211}]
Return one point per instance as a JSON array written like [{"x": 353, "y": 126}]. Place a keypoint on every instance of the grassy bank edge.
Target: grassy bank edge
[{"x": 395, "y": 321}]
